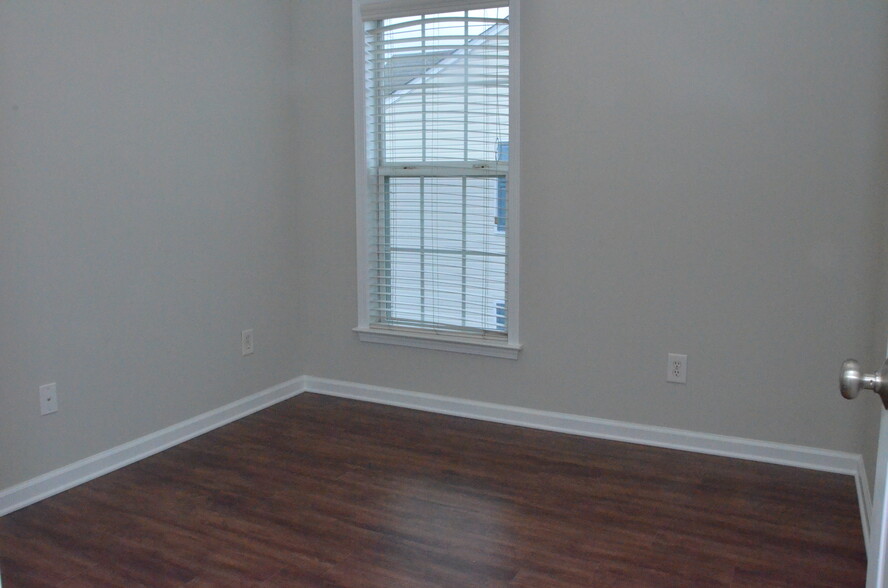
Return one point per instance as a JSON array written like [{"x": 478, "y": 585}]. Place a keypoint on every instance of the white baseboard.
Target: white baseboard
[{"x": 86, "y": 469}]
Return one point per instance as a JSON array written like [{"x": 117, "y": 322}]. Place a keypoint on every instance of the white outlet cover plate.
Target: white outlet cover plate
[
  {"x": 247, "y": 342},
  {"x": 49, "y": 400},
  {"x": 677, "y": 369}
]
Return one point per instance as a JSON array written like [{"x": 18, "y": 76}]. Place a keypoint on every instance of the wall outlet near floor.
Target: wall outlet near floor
[
  {"x": 49, "y": 399},
  {"x": 247, "y": 342},
  {"x": 677, "y": 369}
]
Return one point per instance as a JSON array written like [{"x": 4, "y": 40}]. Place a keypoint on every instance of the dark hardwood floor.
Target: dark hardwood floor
[{"x": 319, "y": 491}]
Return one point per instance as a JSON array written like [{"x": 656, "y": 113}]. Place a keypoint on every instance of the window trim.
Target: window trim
[{"x": 509, "y": 348}]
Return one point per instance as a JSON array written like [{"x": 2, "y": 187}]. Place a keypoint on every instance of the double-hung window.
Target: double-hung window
[{"x": 437, "y": 174}]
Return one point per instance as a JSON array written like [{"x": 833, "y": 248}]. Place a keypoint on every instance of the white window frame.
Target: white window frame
[{"x": 379, "y": 9}]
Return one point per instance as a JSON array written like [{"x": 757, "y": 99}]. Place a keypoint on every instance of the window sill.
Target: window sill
[{"x": 440, "y": 343}]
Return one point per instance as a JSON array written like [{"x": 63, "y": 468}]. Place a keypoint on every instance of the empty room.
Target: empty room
[{"x": 375, "y": 293}]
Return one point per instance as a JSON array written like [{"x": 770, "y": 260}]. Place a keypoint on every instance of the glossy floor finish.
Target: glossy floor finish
[{"x": 319, "y": 491}]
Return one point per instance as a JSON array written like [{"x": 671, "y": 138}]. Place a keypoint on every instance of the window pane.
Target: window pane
[{"x": 441, "y": 86}]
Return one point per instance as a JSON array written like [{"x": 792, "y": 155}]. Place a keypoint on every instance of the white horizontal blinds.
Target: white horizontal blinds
[{"x": 438, "y": 126}]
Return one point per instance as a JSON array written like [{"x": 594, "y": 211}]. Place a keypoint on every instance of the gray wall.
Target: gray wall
[
  {"x": 146, "y": 217},
  {"x": 699, "y": 177}
]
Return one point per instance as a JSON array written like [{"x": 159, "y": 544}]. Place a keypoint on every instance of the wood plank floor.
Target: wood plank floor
[{"x": 319, "y": 491}]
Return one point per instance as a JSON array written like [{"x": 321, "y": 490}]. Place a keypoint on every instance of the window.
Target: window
[{"x": 437, "y": 184}]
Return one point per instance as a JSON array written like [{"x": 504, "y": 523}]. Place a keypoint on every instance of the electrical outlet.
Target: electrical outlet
[
  {"x": 677, "y": 369},
  {"x": 49, "y": 400},
  {"x": 247, "y": 342}
]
